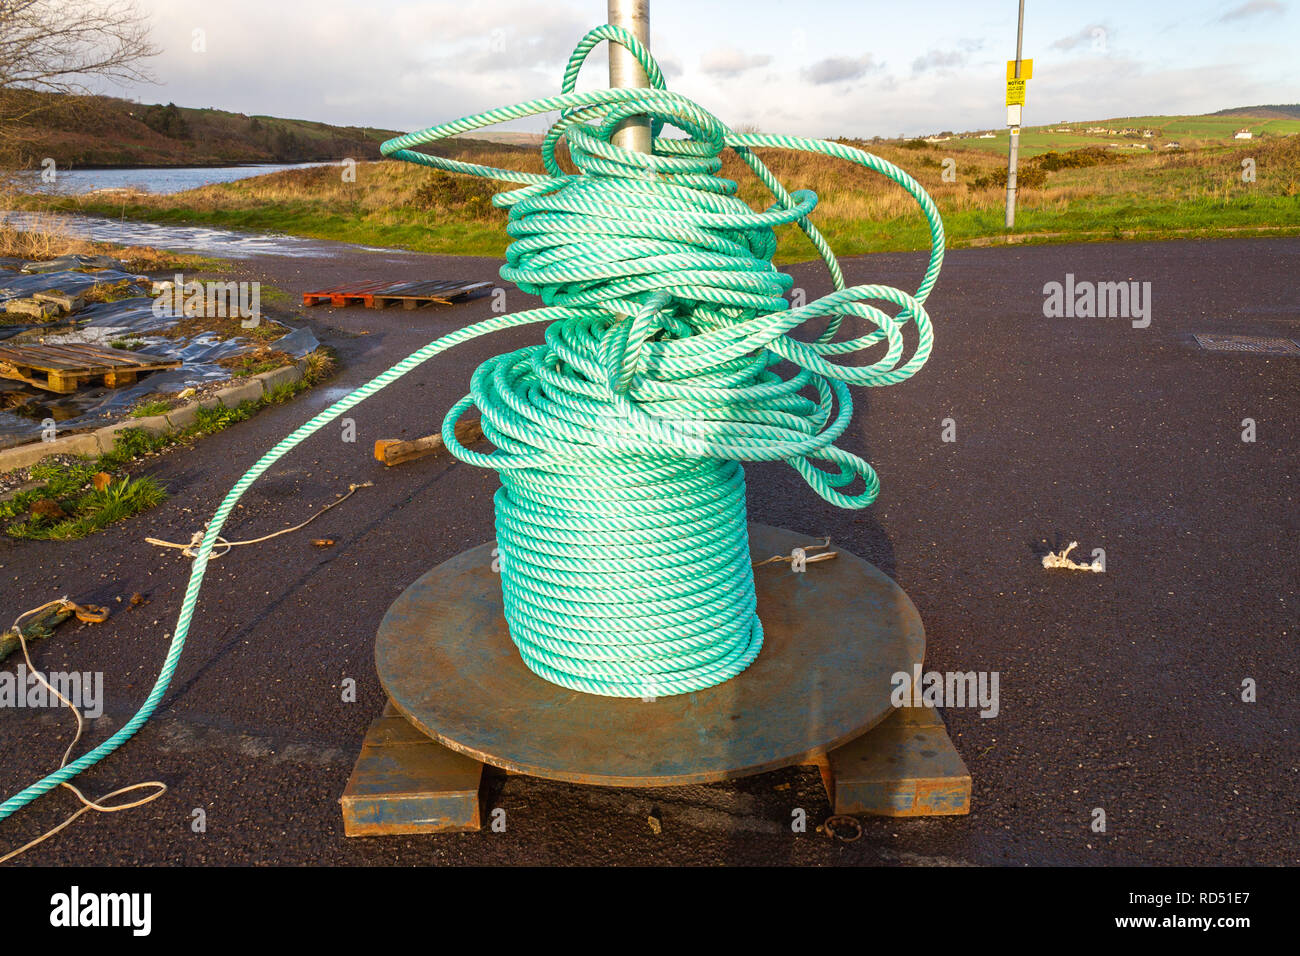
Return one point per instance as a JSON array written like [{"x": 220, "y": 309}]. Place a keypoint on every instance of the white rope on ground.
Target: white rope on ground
[
  {"x": 191, "y": 550},
  {"x": 801, "y": 556},
  {"x": 87, "y": 804},
  {"x": 1062, "y": 560}
]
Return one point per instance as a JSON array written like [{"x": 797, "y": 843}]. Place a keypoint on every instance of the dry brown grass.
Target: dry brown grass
[
  {"x": 47, "y": 238},
  {"x": 1154, "y": 192}
]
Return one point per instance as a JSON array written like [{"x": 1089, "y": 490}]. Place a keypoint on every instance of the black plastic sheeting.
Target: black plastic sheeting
[
  {"x": 132, "y": 319},
  {"x": 73, "y": 261},
  {"x": 16, "y": 285}
]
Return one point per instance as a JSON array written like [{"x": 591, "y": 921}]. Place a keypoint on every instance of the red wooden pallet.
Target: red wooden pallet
[
  {"x": 351, "y": 293},
  {"x": 378, "y": 295}
]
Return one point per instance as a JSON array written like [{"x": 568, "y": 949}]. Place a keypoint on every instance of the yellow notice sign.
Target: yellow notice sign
[
  {"x": 1026, "y": 69},
  {"x": 1015, "y": 92}
]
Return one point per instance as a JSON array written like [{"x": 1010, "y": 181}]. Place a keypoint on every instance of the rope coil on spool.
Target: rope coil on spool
[
  {"x": 621, "y": 519},
  {"x": 689, "y": 380}
]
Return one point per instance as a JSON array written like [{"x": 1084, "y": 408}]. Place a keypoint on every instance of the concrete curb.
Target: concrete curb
[{"x": 102, "y": 440}]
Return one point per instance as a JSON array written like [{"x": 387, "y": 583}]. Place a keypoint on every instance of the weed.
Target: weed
[
  {"x": 110, "y": 291},
  {"x": 149, "y": 409},
  {"x": 91, "y": 510},
  {"x": 320, "y": 365}
]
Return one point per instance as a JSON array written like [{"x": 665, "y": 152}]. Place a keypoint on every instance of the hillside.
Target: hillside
[
  {"x": 79, "y": 131},
  {"x": 1128, "y": 133},
  {"x": 1281, "y": 111}
]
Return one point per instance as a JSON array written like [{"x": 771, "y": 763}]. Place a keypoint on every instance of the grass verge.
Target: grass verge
[{"x": 85, "y": 495}]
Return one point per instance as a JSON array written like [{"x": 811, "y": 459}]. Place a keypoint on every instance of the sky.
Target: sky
[{"x": 803, "y": 67}]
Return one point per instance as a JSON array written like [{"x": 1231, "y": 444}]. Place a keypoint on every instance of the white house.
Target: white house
[{"x": 1243, "y": 134}]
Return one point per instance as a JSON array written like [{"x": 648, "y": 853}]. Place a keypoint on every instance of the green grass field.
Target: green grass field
[
  {"x": 1192, "y": 132},
  {"x": 1069, "y": 193}
]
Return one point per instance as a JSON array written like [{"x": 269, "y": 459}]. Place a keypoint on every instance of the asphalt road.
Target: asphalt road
[{"x": 1119, "y": 691}]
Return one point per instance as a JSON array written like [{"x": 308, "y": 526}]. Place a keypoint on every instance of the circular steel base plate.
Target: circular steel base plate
[{"x": 834, "y": 635}]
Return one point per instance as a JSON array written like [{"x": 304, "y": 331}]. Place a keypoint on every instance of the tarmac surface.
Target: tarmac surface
[{"x": 1120, "y": 691}]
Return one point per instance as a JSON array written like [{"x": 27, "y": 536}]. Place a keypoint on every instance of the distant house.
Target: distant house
[
  {"x": 1173, "y": 145},
  {"x": 987, "y": 135},
  {"x": 1244, "y": 134}
]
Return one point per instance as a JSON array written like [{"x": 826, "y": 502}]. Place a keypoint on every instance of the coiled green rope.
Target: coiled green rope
[{"x": 621, "y": 521}]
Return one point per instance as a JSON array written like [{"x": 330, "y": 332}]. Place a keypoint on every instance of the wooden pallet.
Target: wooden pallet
[
  {"x": 65, "y": 368},
  {"x": 415, "y": 294},
  {"x": 379, "y": 295},
  {"x": 353, "y": 293}
]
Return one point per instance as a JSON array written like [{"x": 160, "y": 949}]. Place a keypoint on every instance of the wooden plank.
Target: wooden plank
[
  {"x": 88, "y": 359},
  {"x": 27, "y": 359},
  {"x": 410, "y": 301},
  {"x": 9, "y": 371},
  {"x": 392, "y": 452},
  {"x": 62, "y": 382},
  {"x": 113, "y": 356},
  {"x": 118, "y": 379}
]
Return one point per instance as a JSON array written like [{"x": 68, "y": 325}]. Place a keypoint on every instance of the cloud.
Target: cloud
[
  {"x": 445, "y": 59},
  {"x": 1094, "y": 34},
  {"x": 670, "y": 66},
  {"x": 729, "y": 62},
  {"x": 837, "y": 69},
  {"x": 938, "y": 60},
  {"x": 1252, "y": 9}
]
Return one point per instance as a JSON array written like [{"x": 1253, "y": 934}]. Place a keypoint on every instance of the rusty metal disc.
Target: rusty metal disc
[{"x": 834, "y": 636}]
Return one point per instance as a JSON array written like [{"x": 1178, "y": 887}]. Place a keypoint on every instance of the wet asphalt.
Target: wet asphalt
[{"x": 1120, "y": 691}]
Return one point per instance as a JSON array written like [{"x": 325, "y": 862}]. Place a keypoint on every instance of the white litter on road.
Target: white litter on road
[{"x": 1062, "y": 560}]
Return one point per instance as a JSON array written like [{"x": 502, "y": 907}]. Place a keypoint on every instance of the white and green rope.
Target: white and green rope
[{"x": 669, "y": 358}]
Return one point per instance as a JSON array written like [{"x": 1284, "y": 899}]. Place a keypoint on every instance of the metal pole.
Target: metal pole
[
  {"x": 626, "y": 72},
  {"x": 1014, "y": 150}
]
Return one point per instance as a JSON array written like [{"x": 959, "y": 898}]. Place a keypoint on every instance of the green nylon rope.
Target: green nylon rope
[{"x": 668, "y": 360}]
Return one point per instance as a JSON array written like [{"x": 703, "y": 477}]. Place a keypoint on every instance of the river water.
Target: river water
[{"x": 168, "y": 179}]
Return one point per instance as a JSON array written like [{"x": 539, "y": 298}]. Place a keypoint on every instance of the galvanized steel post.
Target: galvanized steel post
[
  {"x": 625, "y": 70},
  {"x": 1014, "y": 149}
]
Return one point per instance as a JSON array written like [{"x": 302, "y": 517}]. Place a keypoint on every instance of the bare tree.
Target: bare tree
[{"x": 62, "y": 46}]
